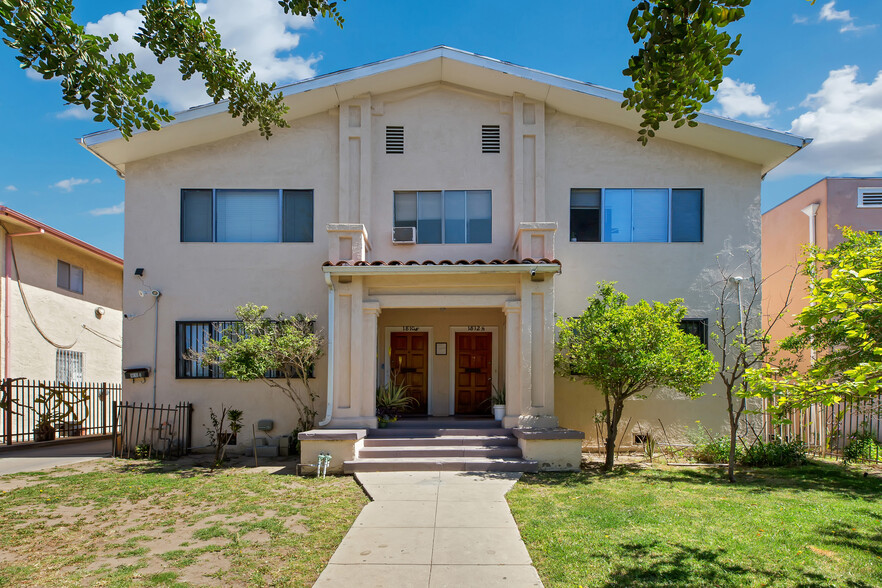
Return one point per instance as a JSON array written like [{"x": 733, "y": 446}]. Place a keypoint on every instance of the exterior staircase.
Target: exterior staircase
[{"x": 472, "y": 445}]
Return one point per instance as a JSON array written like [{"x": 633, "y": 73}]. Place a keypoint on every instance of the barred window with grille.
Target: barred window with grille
[
  {"x": 69, "y": 366},
  {"x": 191, "y": 338}
]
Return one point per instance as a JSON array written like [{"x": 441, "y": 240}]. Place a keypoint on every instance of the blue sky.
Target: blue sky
[{"x": 815, "y": 70}]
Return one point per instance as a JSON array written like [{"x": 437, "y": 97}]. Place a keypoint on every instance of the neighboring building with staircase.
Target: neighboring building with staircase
[{"x": 435, "y": 211}]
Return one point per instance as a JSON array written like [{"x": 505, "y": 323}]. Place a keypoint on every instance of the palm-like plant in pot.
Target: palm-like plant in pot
[
  {"x": 392, "y": 400},
  {"x": 497, "y": 401}
]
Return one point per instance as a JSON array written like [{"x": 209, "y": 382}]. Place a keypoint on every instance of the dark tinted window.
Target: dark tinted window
[
  {"x": 297, "y": 216},
  {"x": 585, "y": 215},
  {"x": 196, "y": 215},
  {"x": 686, "y": 213}
]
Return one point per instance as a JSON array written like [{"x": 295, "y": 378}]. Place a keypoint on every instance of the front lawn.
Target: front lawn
[
  {"x": 154, "y": 524},
  {"x": 818, "y": 525}
]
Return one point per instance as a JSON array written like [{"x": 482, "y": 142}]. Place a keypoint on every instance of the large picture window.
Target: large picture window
[
  {"x": 448, "y": 216},
  {"x": 640, "y": 215},
  {"x": 246, "y": 216}
]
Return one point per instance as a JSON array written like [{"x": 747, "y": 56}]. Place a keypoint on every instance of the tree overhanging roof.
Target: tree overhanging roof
[{"x": 211, "y": 122}]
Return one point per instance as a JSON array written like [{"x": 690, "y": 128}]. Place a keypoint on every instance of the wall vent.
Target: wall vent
[
  {"x": 869, "y": 197},
  {"x": 403, "y": 235},
  {"x": 394, "y": 139},
  {"x": 490, "y": 138}
]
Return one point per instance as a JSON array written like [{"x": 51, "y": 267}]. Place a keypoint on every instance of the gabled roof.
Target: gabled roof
[{"x": 208, "y": 123}]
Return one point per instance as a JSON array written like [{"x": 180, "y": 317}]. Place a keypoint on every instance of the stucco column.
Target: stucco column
[
  {"x": 537, "y": 340},
  {"x": 370, "y": 314},
  {"x": 513, "y": 397}
]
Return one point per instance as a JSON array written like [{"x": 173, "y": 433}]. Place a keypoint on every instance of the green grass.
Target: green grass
[
  {"x": 152, "y": 524},
  {"x": 817, "y": 525}
]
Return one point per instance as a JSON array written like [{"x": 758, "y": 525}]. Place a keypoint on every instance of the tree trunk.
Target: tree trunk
[
  {"x": 733, "y": 435},
  {"x": 612, "y": 430}
]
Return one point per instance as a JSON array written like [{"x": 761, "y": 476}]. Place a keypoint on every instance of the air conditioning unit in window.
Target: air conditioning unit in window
[{"x": 403, "y": 235}]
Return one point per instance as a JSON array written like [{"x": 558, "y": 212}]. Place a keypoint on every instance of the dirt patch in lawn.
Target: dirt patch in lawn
[{"x": 128, "y": 523}]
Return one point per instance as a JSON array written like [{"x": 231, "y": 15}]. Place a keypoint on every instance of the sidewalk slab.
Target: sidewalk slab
[{"x": 433, "y": 529}]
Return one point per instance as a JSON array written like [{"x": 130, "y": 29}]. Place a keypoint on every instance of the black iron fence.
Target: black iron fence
[
  {"x": 851, "y": 430},
  {"x": 147, "y": 431},
  {"x": 42, "y": 410}
]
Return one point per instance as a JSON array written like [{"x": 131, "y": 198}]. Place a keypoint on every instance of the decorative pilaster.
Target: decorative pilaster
[{"x": 513, "y": 392}]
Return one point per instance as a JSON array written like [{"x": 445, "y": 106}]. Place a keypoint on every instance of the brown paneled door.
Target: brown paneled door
[
  {"x": 409, "y": 360},
  {"x": 473, "y": 372}
]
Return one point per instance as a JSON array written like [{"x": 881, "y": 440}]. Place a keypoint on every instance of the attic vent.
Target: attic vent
[
  {"x": 869, "y": 197},
  {"x": 394, "y": 139},
  {"x": 490, "y": 138}
]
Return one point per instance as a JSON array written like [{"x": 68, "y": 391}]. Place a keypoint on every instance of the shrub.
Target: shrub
[
  {"x": 715, "y": 450},
  {"x": 863, "y": 446},
  {"x": 775, "y": 453}
]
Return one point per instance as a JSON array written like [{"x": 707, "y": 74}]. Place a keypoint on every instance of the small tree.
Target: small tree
[
  {"x": 842, "y": 322},
  {"x": 217, "y": 436},
  {"x": 624, "y": 349},
  {"x": 742, "y": 340},
  {"x": 280, "y": 352}
]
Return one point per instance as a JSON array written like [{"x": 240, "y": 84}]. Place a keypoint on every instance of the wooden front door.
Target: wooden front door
[
  {"x": 409, "y": 363},
  {"x": 473, "y": 372}
]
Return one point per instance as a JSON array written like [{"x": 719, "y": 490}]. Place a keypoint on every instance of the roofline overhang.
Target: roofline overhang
[
  {"x": 336, "y": 78},
  {"x": 509, "y": 268},
  {"x": 21, "y": 218}
]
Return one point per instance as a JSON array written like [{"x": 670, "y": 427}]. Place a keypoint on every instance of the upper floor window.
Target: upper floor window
[
  {"x": 247, "y": 216},
  {"x": 448, "y": 216},
  {"x": 655, "y": 215},
  {"x": 70, "y": 277}
]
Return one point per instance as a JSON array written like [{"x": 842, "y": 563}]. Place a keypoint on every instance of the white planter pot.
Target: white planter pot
[{"x": 498, "y": 411}]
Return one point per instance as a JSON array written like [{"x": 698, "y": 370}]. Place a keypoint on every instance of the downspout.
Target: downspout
[
  {"x": 6, "y": 274},
  {"x": 811, "y": 211},
  {"x": 330, "y": 404}
]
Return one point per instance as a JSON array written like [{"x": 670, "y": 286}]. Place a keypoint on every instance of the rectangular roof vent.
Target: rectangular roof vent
[
  {"x": 394, "y": 139},
  {"x": 869, "y": 197},
  {"x": 490, "y": 138}
]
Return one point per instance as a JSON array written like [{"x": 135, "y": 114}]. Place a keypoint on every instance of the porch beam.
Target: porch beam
[{"x": 442, "y": 300}]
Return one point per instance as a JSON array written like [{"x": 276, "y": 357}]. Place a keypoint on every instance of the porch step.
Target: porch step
[
  {"x": 504, "y": 439},
  {"x": 430, "y": 432},
  {"x": 467, "y": 464},
  {"x": 438, "y": 451},
  {"x": 443, "y": 423}
]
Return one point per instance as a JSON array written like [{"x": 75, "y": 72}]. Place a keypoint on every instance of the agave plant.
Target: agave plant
[{"x": 392, "y": 399}]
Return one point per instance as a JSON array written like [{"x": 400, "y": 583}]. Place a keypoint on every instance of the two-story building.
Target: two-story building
[{"x": 436, "y": 211}]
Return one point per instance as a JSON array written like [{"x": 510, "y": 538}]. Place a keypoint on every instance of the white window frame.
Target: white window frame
[
  {"x": 670, "y": 214},
  {"x": 443, "y": 215},
  {"x": 862, "y": 191},
  {"x": 70, "y": 270}
]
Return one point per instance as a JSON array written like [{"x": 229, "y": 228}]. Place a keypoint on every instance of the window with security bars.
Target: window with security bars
[
  {"x": 191, "y": 337},
  {"x": 697, "y": 327},
  {"x": 68, "y": 366}
]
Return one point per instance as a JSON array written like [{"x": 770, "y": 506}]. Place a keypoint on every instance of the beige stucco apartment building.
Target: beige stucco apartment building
[
  {"x": 61, "y": 315},
  {"x": 435, "y": 212}
]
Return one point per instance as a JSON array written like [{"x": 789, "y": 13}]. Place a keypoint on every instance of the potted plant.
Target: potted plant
[
  {"x": 44, "y": 430},
  {"x": 392, "y": 400},
  {"x": 497, "y": 401}
]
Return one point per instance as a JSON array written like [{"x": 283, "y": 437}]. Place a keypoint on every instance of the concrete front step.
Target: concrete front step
[
  {"x": 439, "y": 451},
  {"x": 442, "y": 423},
  {"x": 448, "y": 440},
  {"x": 430, "y": 432},
  {"x": 461, "y": 464}
]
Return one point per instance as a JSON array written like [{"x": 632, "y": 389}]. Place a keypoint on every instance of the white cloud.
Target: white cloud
[
  {"x": 830, "y": 14},
  {"x": 800, "y": 19},
  {"x": 739, "y": 99},
  {"x": 11, "y": 188},
  {"x": 845, "y": 119},
  {"x": 75, "y": 112},
  {"x": 69, "y": 184},
  {"x": 262, "y": 34},
  {"x": 115, "y": 209}
]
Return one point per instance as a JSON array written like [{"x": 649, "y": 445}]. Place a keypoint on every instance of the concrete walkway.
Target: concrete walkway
[
  {"x": 31, "y": 459},
  {"x": 433, "y": 529}
]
